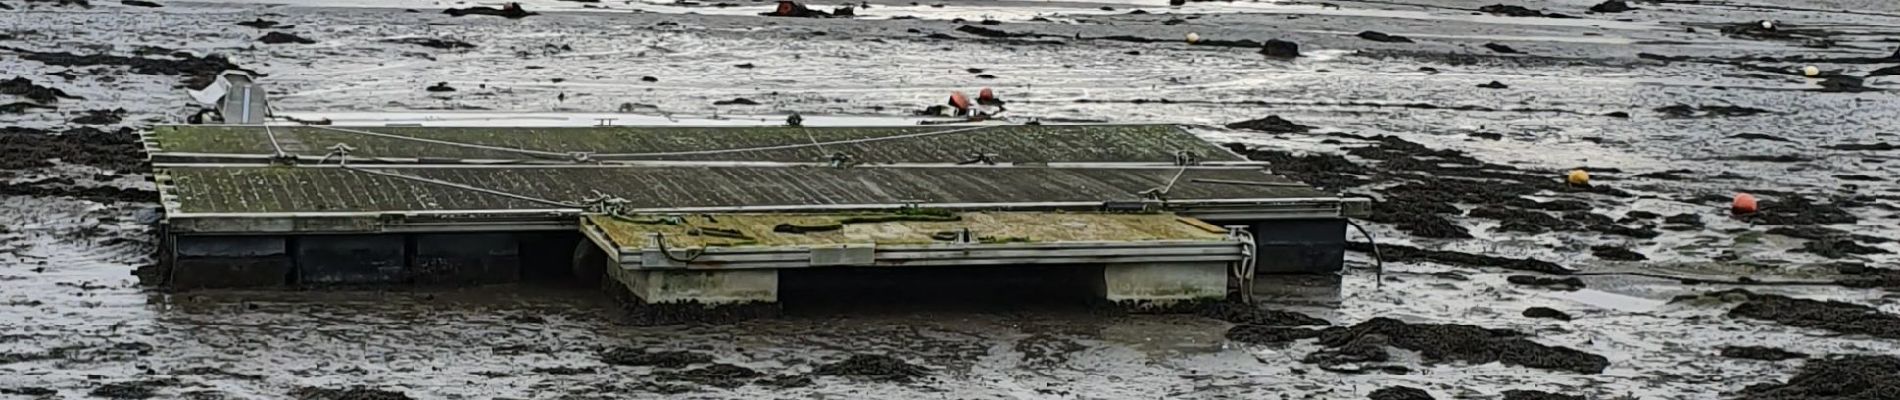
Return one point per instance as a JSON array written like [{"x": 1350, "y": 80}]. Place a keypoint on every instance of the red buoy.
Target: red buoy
[
  {"x": 1744, "y": 204},
  {"x": 960, "y": 101}
]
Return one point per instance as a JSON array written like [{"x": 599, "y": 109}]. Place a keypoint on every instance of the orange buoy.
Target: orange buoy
[
  {"x": 985, "y": 95},
  {"x": 784, "y": 9},
  {"x": 1578, "y": 177},
  {"x": 1744, "y": 204},
  {"x": 960, "y": 101}
]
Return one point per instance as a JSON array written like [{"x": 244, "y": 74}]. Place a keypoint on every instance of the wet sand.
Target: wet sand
[{"x": 1648, "y": 106}]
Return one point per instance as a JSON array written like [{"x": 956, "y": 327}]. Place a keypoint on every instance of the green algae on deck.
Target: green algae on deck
[
  {"x": 1017, "y": 227},
  {"x": 1009, "y": 143},
  {"x": 327, "y": 189}
]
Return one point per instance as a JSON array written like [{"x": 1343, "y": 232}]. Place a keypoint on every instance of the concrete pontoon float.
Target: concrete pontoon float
[{"x": 711, "y": 216}]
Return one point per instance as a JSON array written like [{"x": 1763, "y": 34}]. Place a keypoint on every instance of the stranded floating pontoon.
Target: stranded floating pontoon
[{"x": 711, "y": 215}]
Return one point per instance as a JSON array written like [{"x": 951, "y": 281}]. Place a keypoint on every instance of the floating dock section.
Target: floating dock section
[{"x": 711, "y": 216}]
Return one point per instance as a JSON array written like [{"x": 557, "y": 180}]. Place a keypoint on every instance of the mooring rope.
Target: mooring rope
[
  {"x": 797, "y": 146},
  {"x": 1379, "y": 277},
  {"x": 465, "y": 187},
  {"x": 273, "y": 142},
  {"x": 449, "y": 143},
  {"x": 814, "y": 143}
]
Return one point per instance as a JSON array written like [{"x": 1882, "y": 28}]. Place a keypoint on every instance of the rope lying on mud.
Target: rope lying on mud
[
  {"x": 1738, "y": 281},
  {"x": 1379, "y": 281}
]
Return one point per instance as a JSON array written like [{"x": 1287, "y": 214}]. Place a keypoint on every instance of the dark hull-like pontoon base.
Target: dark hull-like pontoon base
[{"x": 711, "y": 216}]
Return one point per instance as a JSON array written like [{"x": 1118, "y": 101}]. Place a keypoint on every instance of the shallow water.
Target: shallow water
[{"x": 65, "y": 264}]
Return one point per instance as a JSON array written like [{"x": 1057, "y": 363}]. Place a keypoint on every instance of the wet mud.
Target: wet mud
[{"x": 1467, "y": 343}]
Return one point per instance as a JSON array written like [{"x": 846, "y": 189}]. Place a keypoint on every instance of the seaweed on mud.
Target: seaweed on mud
[
  {"x": 21, "y": 107},
  {"x": 100, "y": 117},
  {"x": 1280, "y": 48},
  {"x": 140, "y": 3},
  {"x": 716, "y": 375},
  {"x": 282, "y": 38},
  {"x": 1501, "y": 49},
  {"x": 1323, "y": 171},
  {"x": 1518, "y": 11},
  {"x": 1467, "y": 343},
  {"x": 738, "y": 101},
  {"x": 354, "y": 393},
  {"x": 1877, "y": 146},
  {"x": 1546, "y": 312},
  {"x": 259, "y": 23},
  {"x": 180, "y": 63},
  {"x": 1851, "y": 377},
  {"x": 1270, "y": 124},
  {"x": 32, "y": 391},
  {"x": 1538, "y": 395},
  {"x": 131, "y": 390},
  {"x": 1797, "y": 210},
  {"x": 1258, "y": 334},
  {"x": 64, "y": 3},
  {"x": 509, "y": 11},
  {"x": 1494, "y": 85},
  {"x": 1870, "y": 278},
  {"x": 785, "y": 381},
  {"x": 1759, "y": 136},
  {"x": 1045, "y": 349},
  {"x": 1525, "y": 221},
  {"x": 1688, "y": 111},
  {"x": 1354, "y": 350},
  {"x": 1839, "y": 247},
  {"x": 1616, "y": 253},
  {"x": 1252, "y": 314},
  {"x": 1383, "y": 37},
  {"x": 563, "y": 370},
  {"x": 119, "y": 150},
  {"x": 1611, "y": 6},
  {"x": 874, "y": 367},
  {"x": 1836, "y": 316},
  {"x": 1570, "y": 283},
  {"x": 1400, "y": 393},
  {"x": 1760, "y": 353},
  {"x": 1399, "y": 253},
  {"x": 20, "y": 86},
  {"x": 640, "y": 357},
  {"x": 64, "y": 187},
  {"x": 445, "y": 44}
]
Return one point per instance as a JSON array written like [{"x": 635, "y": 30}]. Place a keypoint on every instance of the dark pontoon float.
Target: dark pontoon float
[{"x": 712, "y": 215}]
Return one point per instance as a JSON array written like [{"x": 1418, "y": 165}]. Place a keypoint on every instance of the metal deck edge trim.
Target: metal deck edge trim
[{"x": 514, "y": 164}]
